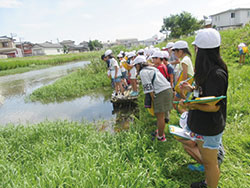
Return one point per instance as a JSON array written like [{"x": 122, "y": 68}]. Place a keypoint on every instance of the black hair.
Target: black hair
[
  {"x": 185, "y": 50},
  {"x": 165, "y": 58},
  {"x": 110, "y": 56},
  {"x": 102, "y": 57},
  {"x": 142, "y": 53},
  {"x": 206, "y": 60}
]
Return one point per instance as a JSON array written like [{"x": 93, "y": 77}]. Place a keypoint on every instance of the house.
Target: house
[
  {"x": 25, "y": 47},
  {"x": 128, "y": 43},
  {"x": 232, "y": 18},
  {"x": 47, "y": 48},
  {"x": 8, "y": 47},
  {"x": 70, "y": 47}
]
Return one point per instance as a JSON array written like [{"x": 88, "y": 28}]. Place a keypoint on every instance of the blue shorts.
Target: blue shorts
[
  {"x": 210, "y": 142},
  {"x": 118, "y": 79},
  {"x": 242, "y": 52}
]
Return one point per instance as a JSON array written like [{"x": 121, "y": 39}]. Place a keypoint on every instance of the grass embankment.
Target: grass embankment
[
  {"x": 67, "y": 154},
  {"x": 76, "y": 84},
  {"x": 20, "y": 65}
]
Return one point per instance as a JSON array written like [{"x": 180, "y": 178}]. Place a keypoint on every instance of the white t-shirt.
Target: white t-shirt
[
  {"x": 187, "y": 61},
  {"x": 121, "y": 66},
  {"x": 160, "y": 82},
  {"x": 113, "y": 64}
]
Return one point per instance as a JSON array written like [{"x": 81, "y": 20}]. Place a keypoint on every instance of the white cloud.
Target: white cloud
[
  {"x": 10, "y": 3},
  {"x": 69, "y": 5}
]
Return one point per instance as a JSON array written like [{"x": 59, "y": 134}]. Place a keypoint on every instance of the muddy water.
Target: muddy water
[{"x": 16, "y": 109}]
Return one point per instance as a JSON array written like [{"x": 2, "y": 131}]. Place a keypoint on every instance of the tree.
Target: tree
[
  {"x": 180, "y": 24},
  {"x": 94, "y": 45}
]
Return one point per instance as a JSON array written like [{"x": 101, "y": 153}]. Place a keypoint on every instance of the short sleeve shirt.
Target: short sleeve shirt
[
  {"x": 113, "y": 64},
  {"x": 211, "y": 123},
  {"x": 187, "y": 61}
]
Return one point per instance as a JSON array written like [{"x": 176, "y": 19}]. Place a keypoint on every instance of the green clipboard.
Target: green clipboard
[{"x": 212, "y": 100}]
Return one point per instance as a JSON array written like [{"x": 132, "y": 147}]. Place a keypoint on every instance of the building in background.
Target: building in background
[
  {"x": 70, "y": 47},
  {"x": 47, "y": 48},
  {"x": 232, "y": 18},
  {"x": 25, "y": 47},
  {"x": 8, "y": 48}
]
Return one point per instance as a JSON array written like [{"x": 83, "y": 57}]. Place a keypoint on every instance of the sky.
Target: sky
[{"x": 105, "y": 20}]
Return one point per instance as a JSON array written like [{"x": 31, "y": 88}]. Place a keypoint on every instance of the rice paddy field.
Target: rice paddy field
[{"x": 72, "y": 154}]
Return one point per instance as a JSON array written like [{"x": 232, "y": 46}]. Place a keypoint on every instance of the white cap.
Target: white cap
[
  {"x": 139, "y": 59},
  {"x": 163, "y": 48},
  {"x": 140, "y": 51},
  {"x": 165, "y": 54},
  {"x": 208, "y": 38},
  {"x": 193, "y": 43},
  {"x": 208, "y": 21},
  {"x": 181, "y": 44},
  {"x": 119, "y": 55},
  {"x": 158, "y": 54},
  {"x": 108, "y": 52},
  {"x": 170, "y": 45},
  {"x": 131, "y": 54},
  {"x": 121, "y": 52}
]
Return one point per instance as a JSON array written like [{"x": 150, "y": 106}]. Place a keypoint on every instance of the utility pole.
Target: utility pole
[{"x": 20, "y": 39}]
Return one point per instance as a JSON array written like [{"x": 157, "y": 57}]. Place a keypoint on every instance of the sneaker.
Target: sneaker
[
  {"x": 161, "y": 139},
  {"x": 133, "y": 94},
  {"x": 196, "y": 167},
  {"x": 200, "y": 184},
  {"x": 155, "y": 133}
]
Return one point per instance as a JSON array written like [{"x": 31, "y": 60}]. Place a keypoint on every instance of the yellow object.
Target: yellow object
[
  {"x": 177, "y": 86},
  {"x": 245, "y": 49},
  {"x": 151, "y": 110},
  {"x": 207, "y": 100},
  {"x": 126, "y": 66}
]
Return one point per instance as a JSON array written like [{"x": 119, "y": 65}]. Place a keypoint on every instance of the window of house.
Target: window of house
[
  {"x": 232, "y": 15},
  {"x": 248, "y": 14},
  {"x": 58, "y": 50},
  {"x": 5, "y": 44}
]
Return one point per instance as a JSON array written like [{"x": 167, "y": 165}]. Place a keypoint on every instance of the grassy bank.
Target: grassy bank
[
  {"x": 76, "y": 84},
  {"x": 70, "y": 154},
  {"x": 36, "y": 61}
]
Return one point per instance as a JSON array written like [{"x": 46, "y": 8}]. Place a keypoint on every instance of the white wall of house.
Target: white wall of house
[
  {"x": 231, "y": 18},
  {"x": 53, "y": 51}
]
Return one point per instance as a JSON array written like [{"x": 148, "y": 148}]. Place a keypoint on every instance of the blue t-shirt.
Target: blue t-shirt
[{"x": 170, "y": 69}]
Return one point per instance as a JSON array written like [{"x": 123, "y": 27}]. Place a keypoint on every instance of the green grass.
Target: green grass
[
  {"x": 70, "y": 154},
  {"x": 16, "y": 63}
]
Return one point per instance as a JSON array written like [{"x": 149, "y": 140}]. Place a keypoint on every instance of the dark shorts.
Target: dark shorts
[
  {"x": 124, "y": 75},
  {"x": 163, "y": 101}
]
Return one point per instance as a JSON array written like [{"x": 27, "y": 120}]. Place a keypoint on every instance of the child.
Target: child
[
  {"x": 185, "y": 67},
  {"x": 131, "y": 56},
  {"x": 159, "y": 88},
  {"x": 170, "y": 68},
  {"x": 115, "y": 73},
  {"x": 123, "y": 70},
  {"x": 242, "y": 47}
]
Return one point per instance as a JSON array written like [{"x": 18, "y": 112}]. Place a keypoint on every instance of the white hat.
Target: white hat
[
  {"x": 139, "y": 59},
  {"x": 119, "y": 55},
  {"x": 208, "y": 21},
  {"x": 165, "y": 54},
  {"x": 131, "y": 54},
  {"x": 193, "y": 43},
  {"x": 208, "y": 38},
  {"x": 140, "y": 51},
  {"x": 158, "y": 54},
  {"x": 170, "y": 45},
  {"x": 181, "y": 44},
  {"x": 163, "y": 48},
  {"x": 108, "y": 52}
]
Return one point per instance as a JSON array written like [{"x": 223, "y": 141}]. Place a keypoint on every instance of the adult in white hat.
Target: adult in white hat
[
  {"x": 207, "y": 121},
  {"x": 159, "y": 89},
  {"x": 185, "y": 69}
]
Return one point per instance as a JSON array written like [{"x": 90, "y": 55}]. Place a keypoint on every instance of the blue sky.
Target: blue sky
[{"x": 79, "y": 20}]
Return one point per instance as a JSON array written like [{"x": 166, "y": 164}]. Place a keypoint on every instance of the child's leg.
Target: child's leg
[
  {"x": 160, "y": 123},
  {"x": 121, "y": 88},
  {"x": 116, "y": 87},
  {"x": 243, "y": 59}
]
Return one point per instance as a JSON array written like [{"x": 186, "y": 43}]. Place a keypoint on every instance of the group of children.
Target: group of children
[
  {"x": 167, "y": 75},
  {"x": 160, "y": 71}
]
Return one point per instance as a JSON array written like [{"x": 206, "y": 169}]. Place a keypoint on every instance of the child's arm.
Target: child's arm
[
  {"x": 172, "y": 80},
  {"x": 185, "y": 71}
]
